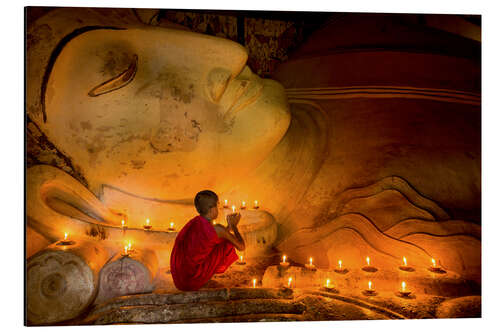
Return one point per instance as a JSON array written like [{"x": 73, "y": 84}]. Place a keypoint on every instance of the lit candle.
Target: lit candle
[
  {"x": 125, "y": 250},
  {"x": 403, "y": 292},
  {"x": 129, "y": 245},
  {"x": 241, "y": 258},
  {"x": 254, "y": 281},
  {"x": 340, "y": 264},
  {"x": 369, "y": 285},
  {"x": 147, "y": 226},
  {"x": 368, "y": 261},
  {"x": 256, "y": 204},
  {"x": 404, "y": 261},
  {"x": 284, "y": 263},
  {"x": 289, "y": 281},
  {"x": 310, "y": 265},
  {"x": 123, "y": 223},
  {"x": 171, "y": 228},
  {"x": 65, "y": 236},
  {"x": 233, "y": 207},
  {"x": 433, "y": 262},
  {"x": 243, "y": 205},
  {"x": 328, "y": 283},
  {"x": 225, "y": 203}
]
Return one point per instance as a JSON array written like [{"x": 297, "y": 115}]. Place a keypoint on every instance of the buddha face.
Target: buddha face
[{"x": 161, "y": 113}]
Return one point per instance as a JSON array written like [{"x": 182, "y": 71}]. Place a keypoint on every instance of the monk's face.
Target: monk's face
[{"x": 161, "y": 113}]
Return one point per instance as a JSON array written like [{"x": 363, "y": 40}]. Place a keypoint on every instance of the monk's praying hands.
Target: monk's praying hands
[{"x": 233, "y": 220}]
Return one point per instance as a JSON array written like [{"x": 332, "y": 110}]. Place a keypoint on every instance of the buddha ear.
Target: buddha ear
[{"x": 117, "y": 82}]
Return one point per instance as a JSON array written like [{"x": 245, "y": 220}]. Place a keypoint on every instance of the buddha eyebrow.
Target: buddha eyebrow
[{"x": 55, "y": 53}]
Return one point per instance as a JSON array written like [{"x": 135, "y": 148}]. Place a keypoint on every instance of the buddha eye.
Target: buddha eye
[{"x": 117, "y": 82}]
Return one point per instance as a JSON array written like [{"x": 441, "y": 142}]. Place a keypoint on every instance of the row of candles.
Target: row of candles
[
  {"x": 148, "y": 226},
  {"x": 370, "y": 291},
  {"x": 405, "y": 266},
  {"x": 242, "y": 207}
]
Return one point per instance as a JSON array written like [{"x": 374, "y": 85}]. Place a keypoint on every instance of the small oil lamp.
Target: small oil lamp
[
  {"x": 284, "y": 263},
  {"x": 125, "y": 251},
  {"x": 147, "y": 226},
  {"x": 310, "y": 264},
  {"x": 171, "y": 228},
  {"x": 370, "y": 291},
  {"x": 369, "y": 268},
  {"x": 329, "y": 287},
  {"x": 241, "y": 261},
  {"x": 255, "y": 204},
  {"x": 243, "y": 205},
  {"x": 405, "y": 266},
  {"x": 254, "y": 282},
  {"x": 65, "y": 241},
  {"x": 129, "y": 246},
  {"x": 436, "y": 269},
  {"x": 340, "y": 269},
  {"x": 404, "y": 292},
  {"x": 225, "y": 203}
]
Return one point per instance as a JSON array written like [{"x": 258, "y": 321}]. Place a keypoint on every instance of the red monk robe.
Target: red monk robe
[{"x": 198, "y": 254}]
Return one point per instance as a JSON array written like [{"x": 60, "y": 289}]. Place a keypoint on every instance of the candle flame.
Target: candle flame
[
  {"x": 284, "y": 258},
  {"x": 254, "y": 281},
  {"x": 171, "y": 224},
  {"x": 125, "y": 249},
  {"x": 214, "y": 222},
  {"x": 327, "y": 283},
  {"x": 123, "y": 223},
  {"x": 340, "y": 264},
  {"x": 225, "y": 202},
  {"x": 368, "y": 261},
  {"x": 147, "y": 221},
  {"x": 404, "y": 261},
  {"x": 233, "y": 207},
  {"x": 256, "y": 203},
  {"x": 289, "y": 281},
  {"x": 65, "y": 236},
  {"x": 243, "y": 204},
  {"x": 241, "y": 258},
  {"x": 403, "y": 286},
  {"x": 310, "y": 261},
  {"x": 129, "y": 245},
  {"x": 369, "y": 285},
  {"x": 433, "y": 262}
]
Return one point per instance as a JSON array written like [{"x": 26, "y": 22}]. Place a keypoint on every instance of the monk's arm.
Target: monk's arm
[{"x": 235, "y": 239}]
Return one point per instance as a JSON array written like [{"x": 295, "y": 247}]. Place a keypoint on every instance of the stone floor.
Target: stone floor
[{"x": 230, "y": 297}]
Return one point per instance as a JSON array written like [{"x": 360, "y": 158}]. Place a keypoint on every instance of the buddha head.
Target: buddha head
[{"x": 154, "y": 112}]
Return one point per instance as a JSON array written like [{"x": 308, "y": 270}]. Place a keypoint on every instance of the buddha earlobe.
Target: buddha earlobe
[{"x": 117, "y": 82}]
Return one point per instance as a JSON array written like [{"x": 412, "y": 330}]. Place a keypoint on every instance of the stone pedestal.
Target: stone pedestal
[
  {"x": 127, "y": 275},
  {"x": 62, "y": 281}
]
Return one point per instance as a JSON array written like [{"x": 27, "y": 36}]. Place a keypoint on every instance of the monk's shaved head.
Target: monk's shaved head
[{"x": 204, "y": 200}]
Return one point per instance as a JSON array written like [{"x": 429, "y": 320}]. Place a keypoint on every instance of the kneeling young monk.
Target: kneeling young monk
[{"x": 202, "y": 249}]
